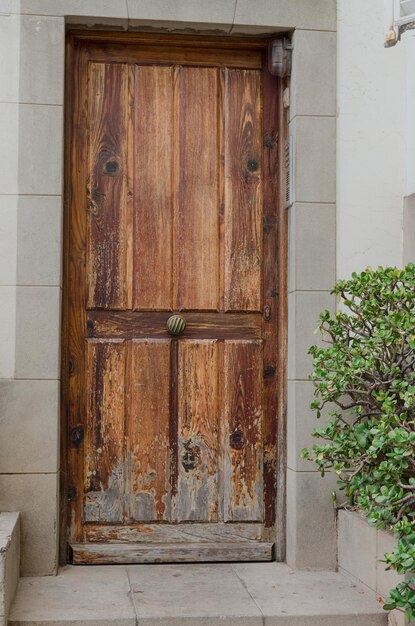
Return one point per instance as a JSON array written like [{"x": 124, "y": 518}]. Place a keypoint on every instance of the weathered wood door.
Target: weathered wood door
[{"x": 172, "y": 208}]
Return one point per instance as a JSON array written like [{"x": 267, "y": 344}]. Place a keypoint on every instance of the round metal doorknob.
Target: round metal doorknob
[{"x": 176, "y": 325}]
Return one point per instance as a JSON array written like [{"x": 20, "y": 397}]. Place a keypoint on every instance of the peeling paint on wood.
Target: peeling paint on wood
[
  {"x": 148, "y": 431},
  {"x": 104, "y": 453},
  {"x": 243, "y": 412},
  {"x": 197, "y": 495}
]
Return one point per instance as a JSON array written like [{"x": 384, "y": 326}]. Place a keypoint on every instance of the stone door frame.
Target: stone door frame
[{"x": 31, "y": 192}]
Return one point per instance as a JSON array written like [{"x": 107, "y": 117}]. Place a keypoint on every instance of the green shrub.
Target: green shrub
[{"x": 366, "y": 373}]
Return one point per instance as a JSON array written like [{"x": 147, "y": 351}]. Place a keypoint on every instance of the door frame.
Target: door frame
[{"x": 228, "y": 42}]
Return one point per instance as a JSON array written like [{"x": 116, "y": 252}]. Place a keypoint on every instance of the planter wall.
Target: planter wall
[{"x": 361, "y": 549}]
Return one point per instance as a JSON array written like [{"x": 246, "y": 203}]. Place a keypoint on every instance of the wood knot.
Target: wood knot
[
  {"x": 111, "y": 167},
  {"x": 236, "y": 440},
  {"x": 252, "y": 165}
]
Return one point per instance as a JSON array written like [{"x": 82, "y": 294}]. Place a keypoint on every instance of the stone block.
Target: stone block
[
  {"x": 301, "y": 421},
  {"x": 313, "y": 78},
  {"x": 9, "y": 562},
  {"x": 179, "y": 13},
  {"x": 311, "y": 523},
  {"x": 174, "y": 593},
  {"x": 106, "y": 9},
  {"x": 8, "y": 239},
  {"x": 304, "y": 308},
  {"x": 357, "y": 547},
  {"x": 37, "y": 332},
  {"x": 385, "y": 580},
  {"x": 42, "y": 46},
  {"x": 85, "y": 596},
  {"x": 307, "y": 598},
  {"x": 314, "y": 158},
  {"x": 40, "y": 149},
  {"x": 35, "y": 496},
  {"x": 39, "y": 240},
  {"x": 268, "y": 15},
  {"x": 29, "y": 426},
  {"x": 9, "y": 55},
  {"x": 312, "y": 247},
  {"x": 7, "y": 331},
  {"x": 9, "y": 136}
]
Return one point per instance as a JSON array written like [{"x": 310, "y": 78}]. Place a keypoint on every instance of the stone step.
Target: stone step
[{"x": 242, "y": 594}]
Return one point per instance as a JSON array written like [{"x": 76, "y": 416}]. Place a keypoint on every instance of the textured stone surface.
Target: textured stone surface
[
  {"x": 29, "y": 426},
  {"x": 357, "y": 548},
  {"x": 7, "y": 331},
  {"x": 94, "y": 595},
  {"x": 8, "y": 239},
  {"x": 199, "y": 12},
  {"x": 361, "y": 550},
  {"x": 311, "y": 524},
  {"x": 301, "y": 421},
  {"x": 40, "y": 156},
  {"x": 9, "y": 561},
  {"x": 41, "y": 44},
  {"x": 315, "y": 15},
  {"x": 251, "y": 594},
  {"x": 37, "y": 332},
  {"x": 304, "y": 308},
  {"x": 313, "y": 78},
  {"x": 314, "y": 158},
  {"x": 312, "y": 247},
  {"x": 95, "y": 8},
  {"x": 176, "y": 591},
  {"x": 36, "y": 497},
  {"x": 39, "y": 240}
]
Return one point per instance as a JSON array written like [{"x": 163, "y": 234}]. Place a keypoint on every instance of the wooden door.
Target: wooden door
[{"x": 172, "y": 176}]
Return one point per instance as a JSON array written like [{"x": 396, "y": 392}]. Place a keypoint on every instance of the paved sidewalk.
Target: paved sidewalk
[{"x": 248, "y": 594}]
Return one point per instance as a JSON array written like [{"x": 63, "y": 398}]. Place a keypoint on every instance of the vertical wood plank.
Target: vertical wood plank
[
  {"x": 153, "y": 188},
  {"x": 198, "y": 219},
  {"x": 147, "y": 440},
  {"x": 242, "y": 431},
  {"x": 104, "y": 436},
  {"x": 108, "y": 200},
  {"x": 75, "y": 294},
  {"x": 198, "y": 431},
  {"x": 282, "y": 333},
  {"x": 270, "y": 290},
  {"x": 243, "y": 190}
]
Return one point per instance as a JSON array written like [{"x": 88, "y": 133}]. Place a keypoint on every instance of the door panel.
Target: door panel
[
  {"x": 108, "y": 205},
  {"x": 104, "y": 436},
  {"x": 153, "y": 206},
  {"x": 243, "y": 191},
  {"x": 173, "y": 209},
  {"x": 197, "y": 493},
  {"x": 147, "y": 437},
  {"x": 242, "y": 425},
  {"x": 198, "y": 190}
]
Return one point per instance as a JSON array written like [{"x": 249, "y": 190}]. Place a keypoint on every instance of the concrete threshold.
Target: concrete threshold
[{"x": 242, "y": 594}]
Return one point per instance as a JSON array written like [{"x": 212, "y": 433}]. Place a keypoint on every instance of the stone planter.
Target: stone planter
[{"x": 361, "y": 549}]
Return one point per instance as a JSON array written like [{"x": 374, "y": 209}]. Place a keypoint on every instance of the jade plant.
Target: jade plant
[{"x": 364, "y": 374}]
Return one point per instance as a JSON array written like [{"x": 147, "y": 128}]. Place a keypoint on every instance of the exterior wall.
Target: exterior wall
[
  {"x": 409, "y": 202},
  {"x": 31, "y": 185},
  {"x": 370, "y": 140}
]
